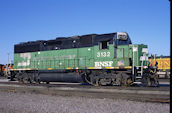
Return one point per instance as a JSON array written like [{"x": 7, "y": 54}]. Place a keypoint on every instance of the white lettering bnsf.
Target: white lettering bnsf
[{"x": 103, "y": 64}]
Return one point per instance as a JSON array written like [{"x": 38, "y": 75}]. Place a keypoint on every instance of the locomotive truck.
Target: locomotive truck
[{"x": 96, "y": 59}]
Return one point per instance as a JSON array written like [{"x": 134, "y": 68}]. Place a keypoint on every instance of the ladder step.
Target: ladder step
[{"x": 137, "y": 83}]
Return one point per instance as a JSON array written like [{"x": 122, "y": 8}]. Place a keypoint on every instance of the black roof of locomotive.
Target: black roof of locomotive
[
  {"x": 64, "y": 43},
  {"x": 68, "y": 38}
]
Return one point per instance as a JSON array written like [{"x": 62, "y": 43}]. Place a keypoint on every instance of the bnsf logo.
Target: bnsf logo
[{"x": 103, "y": 64}]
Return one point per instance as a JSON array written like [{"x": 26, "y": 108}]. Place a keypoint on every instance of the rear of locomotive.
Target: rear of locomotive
[{"x": 46, "y": 61}]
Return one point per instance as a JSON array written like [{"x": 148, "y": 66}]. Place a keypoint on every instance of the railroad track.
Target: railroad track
[
  {"x": 146, "y": 94},
  {"x": 78, "y": 85}
]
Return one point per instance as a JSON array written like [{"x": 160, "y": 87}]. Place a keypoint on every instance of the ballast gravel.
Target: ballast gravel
[{"x": 11, "y": 102}]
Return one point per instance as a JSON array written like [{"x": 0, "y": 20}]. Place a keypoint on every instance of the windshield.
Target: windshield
[{"x": 122, "y": 38}]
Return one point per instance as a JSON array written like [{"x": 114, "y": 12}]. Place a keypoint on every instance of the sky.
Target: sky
[{"x": 146, "y": 21}]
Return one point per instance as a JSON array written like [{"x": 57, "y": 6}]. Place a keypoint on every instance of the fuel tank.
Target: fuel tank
[{"x": 60, "y": 76}]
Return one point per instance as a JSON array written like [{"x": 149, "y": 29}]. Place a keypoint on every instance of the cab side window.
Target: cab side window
[{"x": 103, "y": 45}]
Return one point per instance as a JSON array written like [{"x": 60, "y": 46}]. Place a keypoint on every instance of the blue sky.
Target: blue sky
[{"x": 146, "y": 21}]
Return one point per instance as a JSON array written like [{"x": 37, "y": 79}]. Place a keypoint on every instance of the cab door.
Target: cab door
[{"x": 103, "y": 54}]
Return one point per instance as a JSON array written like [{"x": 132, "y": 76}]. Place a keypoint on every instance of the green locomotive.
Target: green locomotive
[{"x": 97, "y": 59}]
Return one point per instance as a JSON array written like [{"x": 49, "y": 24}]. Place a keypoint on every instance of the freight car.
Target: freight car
[
  {"x": 96, "y": 59},
  {"x": 163, "y": 66},
  {"x": 5, "y": 69}
]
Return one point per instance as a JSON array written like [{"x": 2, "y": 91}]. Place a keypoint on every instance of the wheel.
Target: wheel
[
  {"x": 123, "y": 79},
  {"x": 47, "y": 82},
  {"x": 129, "y": 81},
  {"x": 154, "y": 80},
  {"x": 19, "y": 77},
  {"x": 146, "y": 80},
  {"x": 117, "y": 81}
]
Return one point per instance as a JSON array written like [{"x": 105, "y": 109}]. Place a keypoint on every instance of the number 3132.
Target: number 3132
[{"x": 103, "y": 54}]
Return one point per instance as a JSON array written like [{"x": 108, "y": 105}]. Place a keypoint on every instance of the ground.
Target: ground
[{"x": 12, "y": 102}]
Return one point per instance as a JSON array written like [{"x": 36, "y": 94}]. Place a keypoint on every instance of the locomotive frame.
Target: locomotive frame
[{"x": 96, "y": 59}]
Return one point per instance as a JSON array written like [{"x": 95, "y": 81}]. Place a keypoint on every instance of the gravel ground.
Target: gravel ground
[{"x": 11, "y": 102}]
